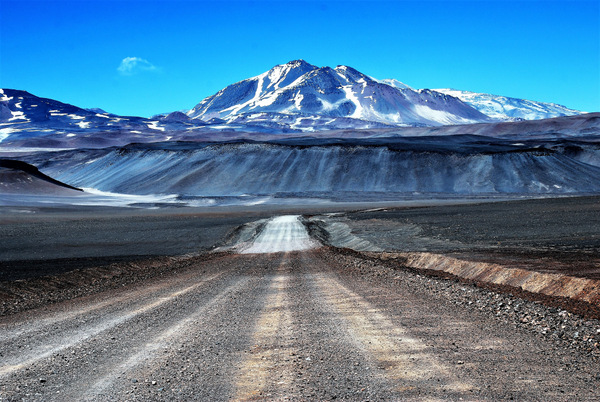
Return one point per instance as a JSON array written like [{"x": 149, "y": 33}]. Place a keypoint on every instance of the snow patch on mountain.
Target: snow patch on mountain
[
  {"x": 506, "y": 108},
  {"x": 97, "y": 110},
  {"x": 394, "y": 83}
]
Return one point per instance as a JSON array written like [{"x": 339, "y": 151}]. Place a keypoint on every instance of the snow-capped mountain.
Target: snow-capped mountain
[
  {"x": 506, "y": 108},
  {"x": 291, "y": 98},
  {"x": 22, "y": 108},
  {"x": 299, "y": 88},
  {"x": 27, "y": 120},
  {"x": 31, "y": 122}
]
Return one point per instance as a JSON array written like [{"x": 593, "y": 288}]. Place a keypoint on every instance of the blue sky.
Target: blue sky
[{"x": 146, "y": 57}]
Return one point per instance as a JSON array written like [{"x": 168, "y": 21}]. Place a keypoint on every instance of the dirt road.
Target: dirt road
[
  {"x": 279, "y": 317},
  {"x": 300, "y": 325}
]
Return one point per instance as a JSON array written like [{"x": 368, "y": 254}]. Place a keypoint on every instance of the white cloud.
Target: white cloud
[{"x": 133, "y": 65}]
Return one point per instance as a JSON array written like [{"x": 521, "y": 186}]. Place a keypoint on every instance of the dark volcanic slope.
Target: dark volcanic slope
[
  {"x": 336, "y": 167},
  {"x": 33, "y": 171},
  {"x": 18, "y": 177}
]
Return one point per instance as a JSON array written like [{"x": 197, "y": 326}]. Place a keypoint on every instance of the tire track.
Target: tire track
[
  {"x": 403, "y": 359},
  {"x": 198, "y": 356},
  {"x": 329, "y": 363},
  {"x": 60, "y": 341},
  {"x": 266, "y": 363},
  {"x": 100, "y": 302},
  {"x": 150, "y": 350},
  {"x": 499, "y": 361}
]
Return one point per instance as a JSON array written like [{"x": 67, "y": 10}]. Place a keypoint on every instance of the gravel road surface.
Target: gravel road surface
[{"x": 300, "y": 325}]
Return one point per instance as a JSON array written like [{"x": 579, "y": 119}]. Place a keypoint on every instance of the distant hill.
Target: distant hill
[{"x": 17, "y": 177}]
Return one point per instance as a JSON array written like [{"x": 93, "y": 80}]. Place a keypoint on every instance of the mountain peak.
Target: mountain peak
[
  {"x": 298, "y": 63},
  {"x": 302, "y": 89},
  {"x": 294, "y": 64},
  {"x": 284, "y": 74},
  {"x": 298, "y": 88}
]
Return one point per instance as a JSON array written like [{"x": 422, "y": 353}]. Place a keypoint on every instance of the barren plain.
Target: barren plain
[{"x": 121, "y": 304}]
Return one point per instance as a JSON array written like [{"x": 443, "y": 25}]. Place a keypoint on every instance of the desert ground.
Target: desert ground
[{"x": 295, "y": 303}]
